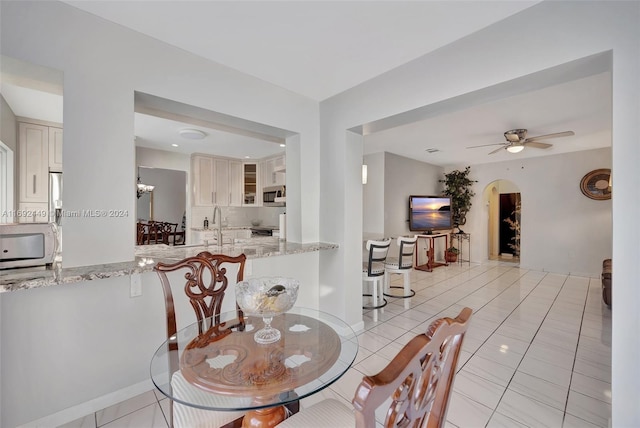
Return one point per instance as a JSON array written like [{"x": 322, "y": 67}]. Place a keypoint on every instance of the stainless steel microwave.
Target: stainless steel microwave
[
  {"x": 274, "y": 196},
  {"x": 27, "y": 244}
]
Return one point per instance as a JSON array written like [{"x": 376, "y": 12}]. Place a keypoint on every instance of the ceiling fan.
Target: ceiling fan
[{"x": 517, "y": 140}]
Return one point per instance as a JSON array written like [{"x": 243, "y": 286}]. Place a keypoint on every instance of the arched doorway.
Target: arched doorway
[{"x": 504, "y": 217}]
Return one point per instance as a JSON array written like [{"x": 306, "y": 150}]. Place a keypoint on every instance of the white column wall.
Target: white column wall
[
  {"x": 67, "y": 345},
  {"x": 543, "y": 36}
]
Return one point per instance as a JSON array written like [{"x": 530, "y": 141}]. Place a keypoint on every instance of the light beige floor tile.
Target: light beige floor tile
[
  {"x": 148, "y": 417},
  {"x": 88, "y": 421},
  {"x": 124, "y": 408}
]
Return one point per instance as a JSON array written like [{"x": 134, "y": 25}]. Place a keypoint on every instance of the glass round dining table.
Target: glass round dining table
[{"x": 223, "y": 368}]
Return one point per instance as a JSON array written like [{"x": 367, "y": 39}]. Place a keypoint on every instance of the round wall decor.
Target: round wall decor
[{"x": 595, "y": 184}]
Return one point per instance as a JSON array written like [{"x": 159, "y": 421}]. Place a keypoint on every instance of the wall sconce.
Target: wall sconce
[{"x": 364, "y": 174}]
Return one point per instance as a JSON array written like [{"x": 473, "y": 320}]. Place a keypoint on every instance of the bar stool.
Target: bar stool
[
  {"x": 373, "y": 271},
  {"x": 403, "y": 264}
]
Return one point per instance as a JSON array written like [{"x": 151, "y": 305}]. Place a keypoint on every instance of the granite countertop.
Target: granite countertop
[
  {"x": 213, "y": 228},
  {"x": 146, "y": 256}
]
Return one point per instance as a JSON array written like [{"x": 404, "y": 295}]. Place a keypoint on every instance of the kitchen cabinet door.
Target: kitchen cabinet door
[
  {"x": 33, "y": 212},
  {"x": 236, "y": 193},
  {"x": 203, "y": 174},
  {"x": 221, "y": 194},
  {"x": 55, "y": 149},
  {"x": 33, "y": 152}
]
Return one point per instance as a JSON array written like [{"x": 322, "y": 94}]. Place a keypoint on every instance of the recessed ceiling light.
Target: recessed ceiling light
[
  {"x": 192, "y": 134},
  {"x": 246, "y": 157},
  {"x": 283, "y": 145},
  {"x": 174, "y": 145}
]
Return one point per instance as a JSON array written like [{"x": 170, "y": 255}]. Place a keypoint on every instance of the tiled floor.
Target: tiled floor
[{"x": 537, "y": 353}]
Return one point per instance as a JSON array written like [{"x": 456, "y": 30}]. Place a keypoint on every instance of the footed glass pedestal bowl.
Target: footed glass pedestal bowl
[{"x": 267, "y": 297}]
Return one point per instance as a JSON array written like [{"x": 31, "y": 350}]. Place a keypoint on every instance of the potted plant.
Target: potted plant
[
  {"x": 457, "y": 186},
  {"x": 451, "y": 254}
]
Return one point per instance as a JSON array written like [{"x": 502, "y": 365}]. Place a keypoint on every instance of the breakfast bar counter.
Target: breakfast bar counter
[{"x": 146, "y": 256}]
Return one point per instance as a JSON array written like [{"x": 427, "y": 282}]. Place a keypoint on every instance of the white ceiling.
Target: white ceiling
[
  {"x": 314, "y": 48},
  {"x": 319, "y": 49}
]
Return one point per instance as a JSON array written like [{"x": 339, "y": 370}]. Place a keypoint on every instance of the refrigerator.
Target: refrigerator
[
  {"x": 55, "y": 197},
  {"x": 55, "y": 210}
]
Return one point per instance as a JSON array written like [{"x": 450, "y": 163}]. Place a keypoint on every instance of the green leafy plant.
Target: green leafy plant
[
  {"x": 453, "y": 250},
  {"x": 457, "y": 186},
  {"x": 514, "y": 224}
]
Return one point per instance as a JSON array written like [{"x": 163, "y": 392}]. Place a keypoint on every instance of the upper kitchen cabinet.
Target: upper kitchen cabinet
[
  {"x": 202, "y": 172},
  {"x": 55, "y": 149},
  {"x": 252, "y": 195},
  {"x": 33, "y": 154},
  {"x": 216, "y": 181},
  {"x": 235, "y": 183},
  {"x": 273, "y": 171}
]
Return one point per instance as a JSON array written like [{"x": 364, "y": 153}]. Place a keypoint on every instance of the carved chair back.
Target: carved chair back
[
  {"x": 205, "y": 284},
  {"x": 418, "y": 380}
]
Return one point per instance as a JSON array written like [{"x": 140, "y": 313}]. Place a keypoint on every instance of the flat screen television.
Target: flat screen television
[{"x": 429, "y": 213}]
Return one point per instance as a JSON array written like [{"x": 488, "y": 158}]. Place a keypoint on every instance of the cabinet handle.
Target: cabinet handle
[
  {"x": 229, "y": 198},
  {"x": 215, "y": 197},
  {"x": 34, "y": 184},
  {"x": 212, "y": 197}
]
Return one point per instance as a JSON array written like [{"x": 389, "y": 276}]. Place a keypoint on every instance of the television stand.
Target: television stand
[{"x": 431, "y": 263}]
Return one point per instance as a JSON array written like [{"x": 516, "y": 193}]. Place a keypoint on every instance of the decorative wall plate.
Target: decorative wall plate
[{"x": 595, "y": 184}]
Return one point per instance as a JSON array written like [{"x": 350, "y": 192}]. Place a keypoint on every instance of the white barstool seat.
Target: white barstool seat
[
  {"x": 403, "y": 264},
  {"x": 373, "y": 271}
]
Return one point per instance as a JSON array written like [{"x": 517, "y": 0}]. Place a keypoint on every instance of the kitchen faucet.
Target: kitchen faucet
[{"x": 216, "y": 209}]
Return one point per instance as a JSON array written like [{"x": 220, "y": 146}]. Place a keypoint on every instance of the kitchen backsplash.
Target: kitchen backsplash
[{"x": 238, "y": 216}]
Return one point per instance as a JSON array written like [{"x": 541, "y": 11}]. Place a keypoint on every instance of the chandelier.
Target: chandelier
[{"x": 142, "y": 188}]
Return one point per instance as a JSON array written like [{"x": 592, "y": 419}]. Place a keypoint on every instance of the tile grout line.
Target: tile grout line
[{"x": 575, "y": 355}]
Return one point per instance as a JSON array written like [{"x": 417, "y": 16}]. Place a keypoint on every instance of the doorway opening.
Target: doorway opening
[{"x": 505, "y": 213}]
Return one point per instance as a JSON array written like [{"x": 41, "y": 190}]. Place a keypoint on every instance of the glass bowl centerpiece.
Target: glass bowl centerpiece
[{"x": 267, "y": 297}]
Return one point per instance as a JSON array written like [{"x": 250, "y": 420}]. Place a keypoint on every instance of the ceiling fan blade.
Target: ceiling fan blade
[
  {"x": 556, "y": 135},
  {"x": 487, "y": 145},
  {"x": 537, "y": 145},
  {"x": 497, "y": 150}
]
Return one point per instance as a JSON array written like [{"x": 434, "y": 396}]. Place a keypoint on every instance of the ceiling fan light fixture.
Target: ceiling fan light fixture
[
  {"x": 192, "y": 134},
  {"x": 515, "y": 148}
]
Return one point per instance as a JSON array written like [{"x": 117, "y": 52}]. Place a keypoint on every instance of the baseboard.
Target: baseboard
[{"x": 83, "y": 409}]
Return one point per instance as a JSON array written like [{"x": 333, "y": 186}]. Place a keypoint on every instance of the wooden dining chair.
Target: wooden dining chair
[
  {"x": 416, "y": 385},
  {"x": 206, "y": 281},
  {"x": 167, "y": 232}
]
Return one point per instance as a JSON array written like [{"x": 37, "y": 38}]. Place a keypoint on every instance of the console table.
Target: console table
[{"x": 431, "y": 263}]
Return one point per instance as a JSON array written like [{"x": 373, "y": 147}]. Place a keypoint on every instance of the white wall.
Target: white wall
[
  {"x": 373, "y": 195},
  {"x": 563, "y": 231},
  {"x": 404, "y": 177},
  {"x": 103, "y": 64},
  {"x": 547, "y": 34},
  {"x": 169, "y": 194},
  {"x": 8, "y": 135}
]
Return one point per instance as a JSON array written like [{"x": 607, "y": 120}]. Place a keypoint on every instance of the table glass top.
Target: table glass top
[{"x": 225, "y": 369}]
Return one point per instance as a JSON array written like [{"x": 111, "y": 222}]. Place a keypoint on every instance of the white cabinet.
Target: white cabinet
[
  {"x": 33, "y": 152},
  {"x": 33, "y": 212},
  {"x": 203, "y": 175},
  {"x": 252, "y": 190},
  {"x": 273, "y": 171},
  {"x": 211, "y": 236},
  {"x": 216, "y": 181},
  {"x": 55, "y": 149},
  {"x": 221, "y": 182},
  {"x": 235, "y": 183}
]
